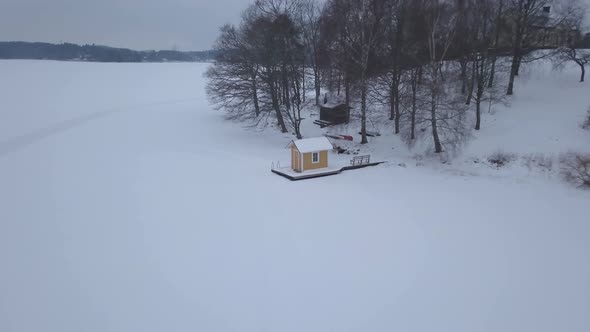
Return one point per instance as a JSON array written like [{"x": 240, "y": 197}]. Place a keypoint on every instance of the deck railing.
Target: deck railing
[
  {"x": 360, "y": 160},
  {"x": 273, "y": 166}
]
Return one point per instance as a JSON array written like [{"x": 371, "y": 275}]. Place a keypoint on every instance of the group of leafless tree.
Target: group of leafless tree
[{"x": 432, "y": 65}]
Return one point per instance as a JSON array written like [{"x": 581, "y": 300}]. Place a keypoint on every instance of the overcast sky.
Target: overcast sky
[{"x": 137, "y": 24}]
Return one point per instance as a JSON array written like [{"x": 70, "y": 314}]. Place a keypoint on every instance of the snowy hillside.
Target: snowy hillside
[
  {"x": 544, "y": 116},
  {"x": 128, "y": 204},
  {"x": 536, "y": 126}
]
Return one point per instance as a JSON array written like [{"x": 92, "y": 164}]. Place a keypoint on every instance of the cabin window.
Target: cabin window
[{"x": 315, "y": 157}]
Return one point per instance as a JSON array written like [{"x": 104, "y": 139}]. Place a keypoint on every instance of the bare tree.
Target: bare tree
[
  {"x": 440, "y": 20},
  {"x": 363, "y": 24},
  {"x": 335, "y": 59},
  {"x": 414, "y": 85},
  {"x": 484, "y": 92},
  {"x": 499, "y": 19},
  {"x": 294, "y": 103},
  {"x": 573, "y": 51},
  {"x": 414, "y": 102},
  {"x": 580, "y": 57},
  {"x": 528, "y": 20},
  {"x": 310, "y": 19},
  {"x": 395, "y": 23},
  {"x": 484, "y": 62},
  {"x": 234, "y": 77},
  {"x": 586, "y": 123},
  {"x": 279, "y": 32},
  {"x": 576, "y": 169},
  {"x": 523, "y": 13}
]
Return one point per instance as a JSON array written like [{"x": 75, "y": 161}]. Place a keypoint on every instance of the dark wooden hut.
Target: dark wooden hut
[{"x": 335, "y": 113}]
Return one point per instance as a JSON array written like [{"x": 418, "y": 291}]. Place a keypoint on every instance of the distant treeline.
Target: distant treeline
[{"x": 96, "y": 53}]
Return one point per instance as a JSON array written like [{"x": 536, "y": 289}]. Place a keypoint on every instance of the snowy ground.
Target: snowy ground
[{"x": 127, "y": 204}]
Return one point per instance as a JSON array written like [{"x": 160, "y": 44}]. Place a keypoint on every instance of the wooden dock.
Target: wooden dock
[{"x": 289, "y": 174}]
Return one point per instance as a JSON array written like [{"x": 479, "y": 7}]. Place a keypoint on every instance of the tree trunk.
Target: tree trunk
[
  {"x": 317, "y": 86},
  {"x": 347, "y": 91},
  {"x": 297, "y": 86},
  {"x": 347, "y": 97},
  {"x": 397, "y": 72},
  {"x": 433, "y": 121},
  {"x": 398, "y": 113},
  {"x": 478, "y": 108},
  {"x": 463, "y": 76},
  {"x": 303, "y": 78},
  {"x": 255, "y": 97},
  {"x": 480, "y": 68},
  {"x": 513, "y": 70},
  {"x": 364, "y": 87},
  {"x": 364, "y": 112},
  {"x": 434, "y": 91},
  {"x": 478, "y": 115},
  {"x": 516, "y": 57},
  {"x": 280, "y": 120},
  {"x": 392, "y": 101},
  {"x": 331, "y": 81},
  {"x": 413, "y": 115},
  {"x": 496, "y": 43},
  {"x": 420, "y": 75},
  {"x": 583, "y": 68},
  {"x": 274, "y": 95},
  {"x": 492, "y": 72},
  {"x": 472, "y": 82},
  {"x": 286, "y": 90}
]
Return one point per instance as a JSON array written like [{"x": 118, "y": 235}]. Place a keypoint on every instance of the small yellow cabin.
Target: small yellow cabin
[{"x": 310, "y": 154}]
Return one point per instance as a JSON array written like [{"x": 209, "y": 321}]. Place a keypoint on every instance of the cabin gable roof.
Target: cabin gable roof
[{"x": 312, "y": 144}]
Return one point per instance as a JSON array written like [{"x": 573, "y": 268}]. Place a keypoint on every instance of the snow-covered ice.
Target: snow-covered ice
[{"x": 128, "y": 204}]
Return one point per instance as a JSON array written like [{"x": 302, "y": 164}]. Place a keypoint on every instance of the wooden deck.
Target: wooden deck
[
  {"x": 293, "y": 176},
  {"x": 288, "y": 173},
  {"x": 353, "y": 167}
]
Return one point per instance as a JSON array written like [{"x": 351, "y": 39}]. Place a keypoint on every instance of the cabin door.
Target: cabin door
[{"x": 295, "y": 160}]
